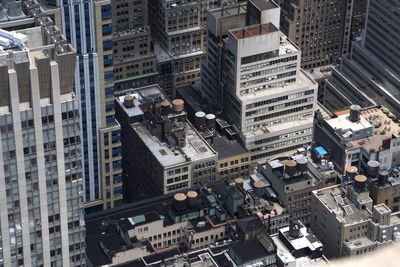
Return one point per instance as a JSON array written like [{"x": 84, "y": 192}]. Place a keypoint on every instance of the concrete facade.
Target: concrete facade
[
  {"x": 41, "y": 218},
  {"x": 88, "y": 27},
  {"x": 260, "y": 89}
]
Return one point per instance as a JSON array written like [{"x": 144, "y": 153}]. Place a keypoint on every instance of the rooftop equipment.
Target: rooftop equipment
[{"x": 355, "y": 112}]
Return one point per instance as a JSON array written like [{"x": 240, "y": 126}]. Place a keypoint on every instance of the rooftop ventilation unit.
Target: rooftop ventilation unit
[{"x": 14, "y": 10}]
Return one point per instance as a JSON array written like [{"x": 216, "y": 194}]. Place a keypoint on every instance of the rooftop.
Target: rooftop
[
  {"x": 321, "y": 73},
  {"x": 342, "y": 124},
  {"x": 359, "y": 243},
  {"x": 335, "y": 199},
  {"x": 264, "y": 4},
  {"x": 216, "y": 255},
  {"x": 265, "y": 207},
  {"x": 101, "y": 226},
  {"x": 228, "y": 11},
  {"x": 249, "y": 250},
  {"x": 196, "y": 148},
  {"x": 140, "y": 96},
  {"x": 384, "y": 128},
  {"x": 227, "y": 148},
  {"x": 252, "y": 31},
  {"x": 306, "y": 240}
]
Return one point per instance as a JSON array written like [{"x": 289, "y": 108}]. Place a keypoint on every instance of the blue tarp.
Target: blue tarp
[{"x": 321, "y": 151}]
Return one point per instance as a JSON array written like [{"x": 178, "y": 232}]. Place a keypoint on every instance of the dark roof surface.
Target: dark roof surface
[
  {"x": 264, "y": 4},
  {"x": 227, "y": 148},
  {"x": 101, "y": 226},
  {"x": 135, "y": 263},
  {"x": 161, "y": 255},
  {"x": 250, "y": 224},
  {"x": 249, "y": 250},
  {"x": 104, "y": 221}
]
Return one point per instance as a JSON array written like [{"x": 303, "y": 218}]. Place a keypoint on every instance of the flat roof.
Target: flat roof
[
  {"x": 343, "y": 122},
  {"x": 327, "y": 197},
  {"x": 140, "y": 95},
  {"x": 264, "y": 4},
  {"x": 228, "y": 11},
  {"x": 145, "y": 211},
  {"x": 249, "y": 250},
  {"x": 384, "y": 128},
  {"x": 359, "y": 243},
  {"x": 196, "y": 147},
  {"x": 228, "y": 148}
]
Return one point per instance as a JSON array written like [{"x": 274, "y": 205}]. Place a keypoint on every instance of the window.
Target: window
[
  {"x": 106, "y": 12},
  {"x": 106, "y": 29}
]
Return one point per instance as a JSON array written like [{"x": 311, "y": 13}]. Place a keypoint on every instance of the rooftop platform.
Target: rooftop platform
[
  {"x": 384, "y": 128},
  {"x": 252, "y": 31}
]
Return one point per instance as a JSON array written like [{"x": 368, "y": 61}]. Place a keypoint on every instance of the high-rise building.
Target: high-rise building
[
  {"x": 41, "y": 200},
  {"x": 370, "y": 74},
  {"x": 179, "y": 31},
  {"x": 322, "y": 29},
  {"x": 133, "y": 58},
  {"x": 252, "y": 75},
  {"x": 87, "y": 25}
]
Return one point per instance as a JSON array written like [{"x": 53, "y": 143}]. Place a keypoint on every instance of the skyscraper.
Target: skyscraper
[
  {"x": 87, "y": 25},
  {"x": 134, "y": 61},
  {"x": 252, "y": 75},
  {"x": 178, "y": 28},
  {"x": 370, "y": 74},
  {"x": 322, "y": 29},
  {"x": 41, "y": 202}
]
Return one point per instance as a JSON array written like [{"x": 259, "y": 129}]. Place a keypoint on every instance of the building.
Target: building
[
  {"x": 132, "y": 58},
  {"x": 298, "y": 246},
  {"x": 293, "y": 184},
  {"x": 87, "y": 25},
  {"x": 259, "y": 252},
  {"x": 41, "y": 207},
  {"x": 233, "y": 158},
  {"x": 188, "y": 221},
  {"x": 185, "y": 222},
  {"x": 323, "y": 30},
  {"x": 261, "y": 89},
  {"x": 255, "y": 205},
  {"x": 354, "y": 136},
  {"x": 346, "y": 222},
  {"x": 178, "y": 28},
  {"x": 383, "y": 184},
  {"x": 216, "y": 255},
  {"x": 369, "y": 75},
  {"x": 162, "y": 151}
]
